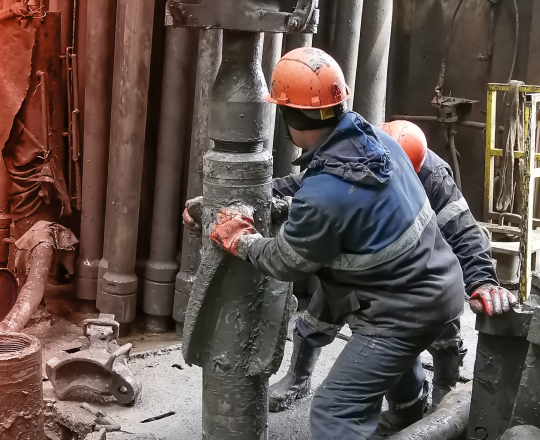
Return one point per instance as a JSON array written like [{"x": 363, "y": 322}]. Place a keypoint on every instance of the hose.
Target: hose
[
  {"x": 31, "y": 293},
  {"x": 442, "y": 73},
  {"x": 453, "y": 150}
]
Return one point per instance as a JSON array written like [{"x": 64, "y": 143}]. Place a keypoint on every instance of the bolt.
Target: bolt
[
  {"x": 294, "y": 24},
  {"x": 123, "y": 390},
  {"x": 481, "y": 434}
]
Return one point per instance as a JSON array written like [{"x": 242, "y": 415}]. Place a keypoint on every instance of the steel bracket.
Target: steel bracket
[
  {"x": 452, "y": 109},
  {"x": 281, "y": 16},
  {"x": 100, "y": 371}
]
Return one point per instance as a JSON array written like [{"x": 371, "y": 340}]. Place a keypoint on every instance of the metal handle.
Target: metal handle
[
  {"x": 123, "y": 350},
  {"x": 104, "y": 323}
]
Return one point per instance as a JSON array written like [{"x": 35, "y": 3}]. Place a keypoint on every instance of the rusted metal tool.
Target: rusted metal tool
[{"x": 99, "y": 371}]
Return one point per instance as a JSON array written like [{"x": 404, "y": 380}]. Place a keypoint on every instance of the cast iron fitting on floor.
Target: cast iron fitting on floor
[
  {"x": 21, "y": 387},
  {"x": 447, "y": 423}
]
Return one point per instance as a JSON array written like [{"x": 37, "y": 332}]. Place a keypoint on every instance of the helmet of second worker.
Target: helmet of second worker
[{"x": 411, "y": 138}]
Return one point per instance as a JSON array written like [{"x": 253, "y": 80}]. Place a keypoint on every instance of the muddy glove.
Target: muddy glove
[
  {"x": 235, "y": 230},
  {"x": 192, "y": 215},
  {"x": 280, "y": 211},
  {"x": 492, "y": 299}
]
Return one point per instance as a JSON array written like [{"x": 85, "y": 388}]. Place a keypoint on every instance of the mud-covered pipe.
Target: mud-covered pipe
[
  {"x": 271, "y": 54},
  {"x": 284, "y": 151},
  {"x": 21, "y": 387},
  {"x": 31, "y": 293},
  {"x": 100, "y": 58},
  {"x": 135, "y": 20},
  {"x": 373, "y": 53},
  {"x": 162, "y": 266},
  {"x": 347, "y": 39},
  {"x": 447, "y": 423},
  {"x": 209, "y": 60},
  {"x": 237, "y": 170}
]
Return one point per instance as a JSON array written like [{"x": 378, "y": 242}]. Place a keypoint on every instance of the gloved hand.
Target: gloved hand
[
  {"x": 280, "y": 211},
  {"x": 232, "y": 225},
  {"x": 492, "y": 299},
  {"x": 192, "y": 215}
]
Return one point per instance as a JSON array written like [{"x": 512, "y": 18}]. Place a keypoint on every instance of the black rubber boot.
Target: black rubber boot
[
  {"x": 446, "y": 363},
  {"x": 297, "y": 382},
  {"x": 401, "y": 416}
]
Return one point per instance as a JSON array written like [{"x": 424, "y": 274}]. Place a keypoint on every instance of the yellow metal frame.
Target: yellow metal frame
[{"x": 533, "y": 98}]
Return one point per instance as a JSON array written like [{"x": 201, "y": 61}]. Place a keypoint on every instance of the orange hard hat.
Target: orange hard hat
[
  {"x": 308, "y": 78},
  {"x": 411, "y": 138}
]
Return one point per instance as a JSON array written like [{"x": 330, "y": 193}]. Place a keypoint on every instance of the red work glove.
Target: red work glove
[
  {"x": 232, "y": 225},
  {"x": 192, "y": 215},
  {"x": 492, "y": 299}
]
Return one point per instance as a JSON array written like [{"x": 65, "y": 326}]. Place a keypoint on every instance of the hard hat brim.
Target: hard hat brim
[{"x": 268, "y": 98}]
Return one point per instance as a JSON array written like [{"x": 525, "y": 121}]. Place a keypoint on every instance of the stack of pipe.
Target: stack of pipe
[
  {"x": 162, "y": 266},
  {"x": 134, "y": 23}
]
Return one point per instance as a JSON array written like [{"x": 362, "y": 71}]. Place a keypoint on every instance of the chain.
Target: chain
[{"x": 526, "y": 184}]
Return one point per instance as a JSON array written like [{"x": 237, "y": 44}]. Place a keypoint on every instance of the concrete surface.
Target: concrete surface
[{"x": 167, "y": 388}]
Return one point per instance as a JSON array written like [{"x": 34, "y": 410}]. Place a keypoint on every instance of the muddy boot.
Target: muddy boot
[
  {"x": 399, "y": 417},
  {"x": 446, "y": 363},
  {"x": 297, "y": 382}
]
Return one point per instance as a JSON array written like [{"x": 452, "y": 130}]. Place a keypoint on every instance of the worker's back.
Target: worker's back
[{"x": 362, "y": 214}]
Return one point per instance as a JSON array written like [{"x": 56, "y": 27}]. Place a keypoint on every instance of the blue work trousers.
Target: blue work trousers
[{"x": 348, "y": 404}]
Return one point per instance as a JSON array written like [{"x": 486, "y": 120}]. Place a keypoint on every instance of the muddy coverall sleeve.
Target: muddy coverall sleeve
[
  {"x": 460, "y": 230},
  {"x": 305, "y": 243}
]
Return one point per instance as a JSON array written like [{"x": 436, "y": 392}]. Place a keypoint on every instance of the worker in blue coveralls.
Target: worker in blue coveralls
[
  {"x": 362, "y": 223},
  {"x": 469, "y": 243}
]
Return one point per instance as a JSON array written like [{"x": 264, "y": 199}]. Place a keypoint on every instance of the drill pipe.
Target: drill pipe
[
  {"x": 100, "y": 52},
  {"x": 347, "y": 39},
  {"x": 162, "y": 266},
  {"x": 373, "y": 53},
  {"x": 209, "y": 60},
  {"x": 284, "y": 151},
  {"x": 271, "y": 54},
  {"x": 447, "y": 423},
  {"x": 130, "y": 95},
  {"x": 222, "y": 319},
  {"x": 324, "y": 38},
  {"x": 21, "y": 387}
]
